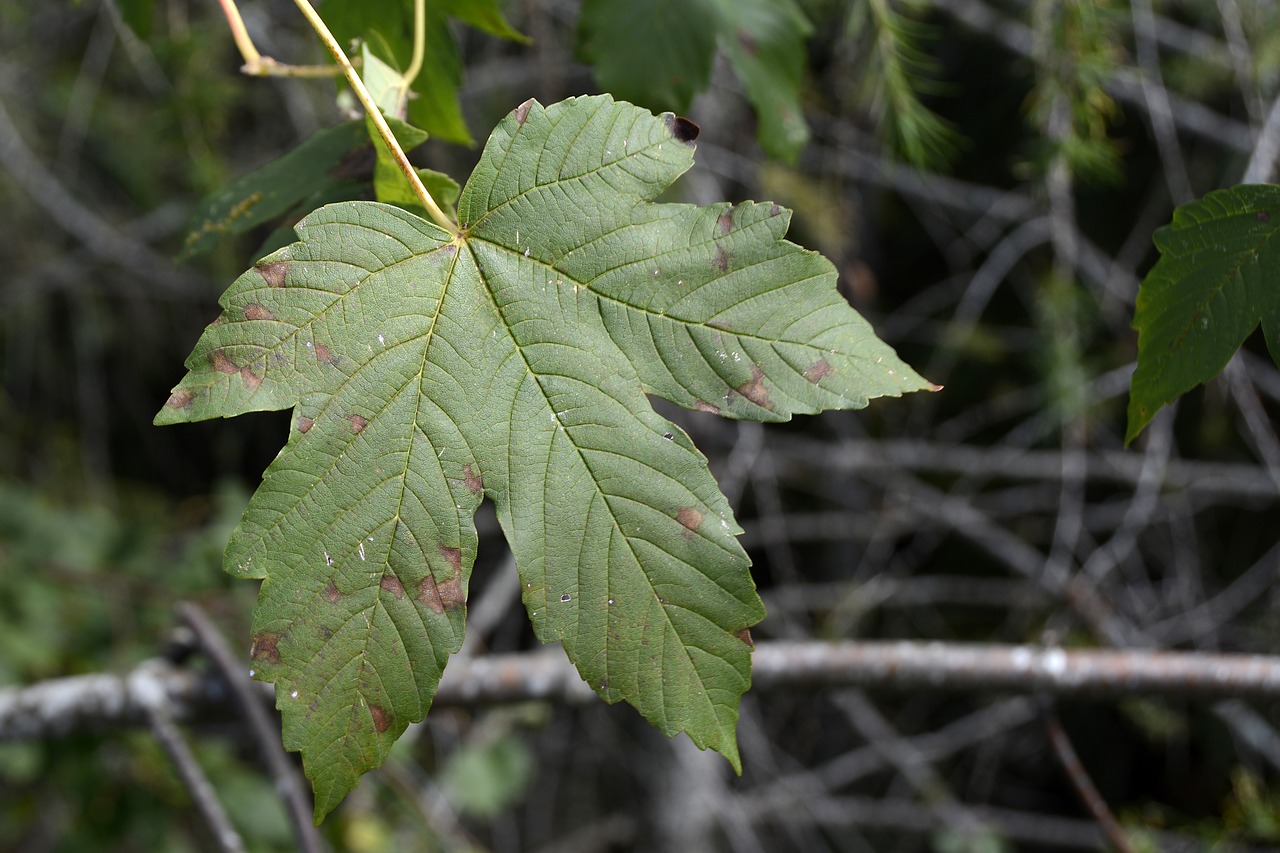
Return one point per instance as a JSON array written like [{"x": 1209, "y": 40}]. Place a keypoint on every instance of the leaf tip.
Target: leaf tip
[{"x": 522, "y": 111}]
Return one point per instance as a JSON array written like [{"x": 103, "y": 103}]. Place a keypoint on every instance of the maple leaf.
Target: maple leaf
[{"x": 512, "y": 362}]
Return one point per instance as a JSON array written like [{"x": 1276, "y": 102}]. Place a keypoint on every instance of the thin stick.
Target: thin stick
[
  {"x": 1083, "y": 784},
  {"x": 257, "y": 65},
  {"x": 149, "y": 691},
  {"x": 264, "y": 729},
  {"x": 419, "y": 42},
  {"x": 375, "y": 115}
]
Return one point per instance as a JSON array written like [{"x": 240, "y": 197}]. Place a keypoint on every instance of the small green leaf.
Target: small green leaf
[
  {"x": 513, "y": 362},
  {"x": 657, "y": 53},
  {"x": 764, "y": 42},
  {"x": 317, "y": 166},
  {"x": 389, "y": 183},
  {"x": 386, "y": 85},
  {"x": 1218, "y": 277}
]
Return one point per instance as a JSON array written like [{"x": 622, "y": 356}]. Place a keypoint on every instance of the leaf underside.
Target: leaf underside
[
  {"x": 1217, "y": 279},
  {"x": 513, "y": 363}
]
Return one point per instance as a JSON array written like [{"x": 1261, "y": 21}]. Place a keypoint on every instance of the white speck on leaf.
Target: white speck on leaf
[
  {"x": 564, "y": 599},
  {"x": 360, "y": 548},
  {"x": 328, "y": 561},
  {"x": 382, "y": 340},
  {"x": 293, "y": 695},
  {"x": 526, "y": 253},
  {"x": 251, "y": 673}
]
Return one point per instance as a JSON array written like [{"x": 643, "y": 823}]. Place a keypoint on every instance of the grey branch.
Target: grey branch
[{"x": 103, "y": 702}]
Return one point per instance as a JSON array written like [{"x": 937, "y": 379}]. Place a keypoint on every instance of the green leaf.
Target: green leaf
[
  {"x": 657, "y": 53},
  {"x": 512, "y": 362},
  {"x": 317, "y": 167},
  {"x": 1218, "y": 277},
  {"x": 764, "y": 42},
  {"x": 390, "y": 185},
  {"x": 387, "y": 27}
]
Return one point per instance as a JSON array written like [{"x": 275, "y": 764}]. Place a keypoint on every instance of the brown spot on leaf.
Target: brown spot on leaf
[
  {"x": 358, "y": 423},
  {"x": 392, "y": 584},
  {"x": 690, "y": 517},
  {"x": 218, "y": 359},
  {"x": 451, "y": 593},
  {"x": 265, "y": 648},
  {"x": 254, "y": 311},
  {"x": 180, "y": 399},
  {"x": 724, "y": 222},
  {"x": 1264, "y": 216},
  {"x": 323, "y": 354},
  {"x": 331, "y": 593},
  {"x": 682, "y": 129},
  {"x": 722, "y": 259},
  {"x": 429, "y": 594},
  {"x": 273, "y": 273},
  {"x": 818, "y": 370},
  {"x": 744, "y": 634},
  {"x": 305, "y": 423},
  {"x": 381, "y": 719},
  {"x": 775, "y": 209},
  {"x": 748, "y": 43},
  {"x": 522, "y": 111},
  {"x": 472, "y": 481},
  {"x": 704, "y": 406},
  {"x": 755, "y": 390},
  {"x": 250, "y": 378},
  {"x": 454, "y": 556}
]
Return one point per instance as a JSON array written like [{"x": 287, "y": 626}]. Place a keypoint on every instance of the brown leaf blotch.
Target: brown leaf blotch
[
  {"x": 450, "y": 592},
  {"x": 704, "y": 406},
  {"x": 358, "y": 423},
  {"x": 250, "y": 378},
  {"x": 818, "y": 370},
  {"x": 454, "y": 556},
  {"x": 722, "y": 259},
  {"x": 474, "y": 483},
  {"x": 323, "y": 354},
  {"x": 755, "y": 389},
  {"x": 522, "y": 111},
  {"x": 218, "y": 359},
  {"x": 180, "y": 399},
  {"x": 1264, "y": 216},
  {"x": 265, "y": 647},
  {"x": 273, "y": 273},
  {"x": 331, "y": 593},
  {"x": 744, "y": 634},
  {"x": 724, "y": 222},
  {"x": 429, "y": 594},
  {"x": 305, "y": 423},
  {"x": 381, "y": 719},
  {"x": 775, "y": 209},
  {"x": 392, "y": 584},
  {"x": 690, "y": 517},
  {"x": 682, "y": 129},
  {"x": 254, "y": 311}
]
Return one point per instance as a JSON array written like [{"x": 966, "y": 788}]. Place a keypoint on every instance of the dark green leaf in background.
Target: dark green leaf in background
[
  {"x": 323, "y": 166},
  {"x": 659, "y": 54},
  {"x": 512, "y": 362},
  {"x": 1217, "y": 279}
]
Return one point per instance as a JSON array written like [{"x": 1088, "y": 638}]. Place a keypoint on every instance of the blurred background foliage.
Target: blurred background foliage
[{"x": 985, "y": 175}]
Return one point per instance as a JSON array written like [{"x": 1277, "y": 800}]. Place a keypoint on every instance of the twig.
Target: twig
[
  {"x": 375, "y": 115},
  {"x": 1081, "y": 781},
  {"x": 60, "y": 707},
  {"x": 147, "y": 687},
  {"x": 265, "y": 731}
]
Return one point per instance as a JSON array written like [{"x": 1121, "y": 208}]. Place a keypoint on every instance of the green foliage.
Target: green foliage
[
  {"x": 1217, "y": 279},
  {"x": 322, "y": 169},
  {"x": 387, "y": 29},
  {"x": 898, "y": 70},
  {"x": 659, "y": 54},
  {"x": 1077, "y": 55},
  {"x": 512, "y": 362}
]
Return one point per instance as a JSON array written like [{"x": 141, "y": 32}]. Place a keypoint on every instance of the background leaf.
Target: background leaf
[
  {"x": 513, "y": 362},
  {"x": 1218, "y": 277},
  {"x": 318, "y": 168}
]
